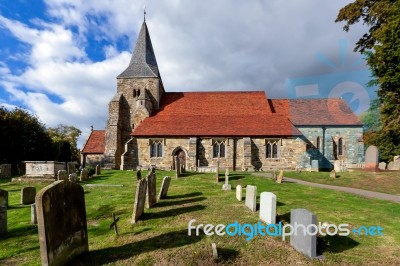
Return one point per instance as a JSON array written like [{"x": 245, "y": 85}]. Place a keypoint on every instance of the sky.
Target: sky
[{"x": 59, "y": 58}]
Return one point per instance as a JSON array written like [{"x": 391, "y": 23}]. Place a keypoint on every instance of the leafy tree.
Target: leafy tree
[
  {"x": 382, "y": 44},
  {"x": 372, "y": 117},
  {"x": 23, "y": 137},
  {"x": 62, "y": 134}
]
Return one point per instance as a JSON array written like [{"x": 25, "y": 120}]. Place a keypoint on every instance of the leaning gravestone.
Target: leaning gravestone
[
  {"x": 280, "y": 177},
  {"x": 33, "y": 214},
  {"x": 62, "y": 175},
  {"x": 28, "y": 195},
  {"x": 382, "y": 166},
  {"x": 3, "y": 220},
  {"x": 98, "y": 170},
  {"x": 3, "y": 198},
  {"x": 61, "y": 217},
  {"x": 151, "y": 193},
  {"x": 84, "y": 175},
  {"x": 251, "y": 198},
  {"x": 371, "y": 158},
  {"x": 239, "y": 193},
  {"x": 177, "y": 167},
  {"x": 140, "y": 198},
  {"x": 332, "y": 174},
  {"x": 72, "y": 178},
  {"x": 5, "y": 170},
  {"x": 304, "y": 241},
  {"x": 164, "y": 187},
  {"x": 268, "y": 207}
]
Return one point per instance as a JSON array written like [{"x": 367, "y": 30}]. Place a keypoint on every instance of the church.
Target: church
[{"x": 243, "y": 131}]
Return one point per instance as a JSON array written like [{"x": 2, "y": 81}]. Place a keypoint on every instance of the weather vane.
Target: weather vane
[{"x": 144, "y": 13}]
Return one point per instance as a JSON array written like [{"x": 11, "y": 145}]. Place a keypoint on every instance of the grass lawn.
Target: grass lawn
[
  {"x": 385, "y": 182},
  {"x": 161, "y": 237}
]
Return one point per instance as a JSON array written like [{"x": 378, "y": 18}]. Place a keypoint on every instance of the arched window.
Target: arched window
[
  {"x": 219, "y": 149},
  {"x": 222, "y": 150},
  {"x": 340, "y": 146},
  {"x": 153, "y": 150},
  {"x": 159, "y": 150},
  {"x": 269, "y": 151},
  {"x": 272, "y": 149},
  {"x": 156, "y": 149},
  {"x": 318, "y": 143}
]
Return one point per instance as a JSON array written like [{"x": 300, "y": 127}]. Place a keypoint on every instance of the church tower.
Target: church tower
[{"x": 139, "y": 92}]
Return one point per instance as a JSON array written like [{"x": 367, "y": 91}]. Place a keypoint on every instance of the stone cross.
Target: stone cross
[
  {"x": 114, "y": 224},
  {"x": 226, "y": 186}
]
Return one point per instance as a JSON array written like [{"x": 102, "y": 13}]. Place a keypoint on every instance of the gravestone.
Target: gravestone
[
  {"x": 61, "y": 218},
  {"x": 151, "y": 194},
  {"x": 164, "y": 187},
  {"x": 33, "y": 214},
  {"x": 280, "y": 177},
  {"x": 28, "y": 195},
  {"x": 226, "y": 186},
  {"x": 177, "y": 167},
  {"x": 84, "y": 175},
  {"x": 396, "y": 163},
  {"x": 306, "y": 244},
  {"x": 382, "y": 166},
  {"x": 251, "y": 198},
  {"x": 71, "y": 167},
  {"x": 5, "y": 170},
  {"x": 390, "y": 166},
  {"x": 72, "y": 178},
  {"x": 332, "y": 174},
  {"x": 3, "y": 198},
  {"x": 214, "y": 251},
  {"x": 98, "y": 170},
  {"x": 138, "y": 174},
  {"x": 140, "y": 198},
  {"x": 268, "y": 207},
  {"x": 371, "y": 158},
  {"x": 114, "y": 224},
  {"x": 314, "y": 166},
  {"x": 3, "y": 220},
  {"x": 239, "y": 193},
  {"x": 62, "y": 175}
]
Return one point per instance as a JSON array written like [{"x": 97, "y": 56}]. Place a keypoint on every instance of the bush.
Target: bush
[{"x": 90, "y": 169}]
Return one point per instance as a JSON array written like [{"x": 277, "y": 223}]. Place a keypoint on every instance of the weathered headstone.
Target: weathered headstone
[
  {"x": 280, "y": 177},
  {"x": 72, "y": 178},
  {"x": 382, "y": 166},
  {"x": 251, "y": 198},
  {"x": 396, "y": 163},
  {"x": 164, "y": 187},
  {"x": 61, "y": 217},
  {"x": 3, "y": 198},
  {"x": 98, "y": 170},
  {"x": 5, "y": 170},
  {"x": 140, "y": 198},
  {"x": 304, "y": 241},
  {"x": 33, "y": 214},
  {"x": 337, "y": 166},
  {"x": 177, "y": 167},
  {"x": 138, "y": 174},
  {"x": 28, "y": 195},
  {"x": 332, "y": 174},
  {"x": 62, "y": 175},
  {"x": 371, "y": 158},
  {"x": 151, "y": 193},
  {"x": 3, "y": 220},
  {"x": 226, "y": 186},
  {"x": 71, "y": 167},
  {"x": 84, "y": 175},
  {"x": 314, "y": 166},
  {"x": 390, "y": 166},
  {"x": 268, "y": 207},
  {"x": 214, "y": 251},
  {"x": 239, "y": 193}
]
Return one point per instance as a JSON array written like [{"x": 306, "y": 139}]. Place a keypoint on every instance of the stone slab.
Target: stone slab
[
  {"x": 62, "y": 175},
  {"x": 98, "y": 170},
  {"x": 268, "y": 207},
  {"x": 382, "y": 166},
  {"x": 332, "y": 174},
  {"x": 306, "y": 244},
  {"x": 5, "y": 170},
  {"x": 279, "y": 179},
  {"x": 226, "y": 187},
  {"x": 371, "y": 158},
  {"x": 164, "y": 187},
  {"x": 140, "y": 198},
  {"x": 251, "y": 198},
  {"x": 61, "y": 217},
  {"x": 33, "y": 214},
  {"x": 84, "y": 175},
  {"x": 3, "y": 198},
  {"x": 151, "y": 193},
  {"x": 239, "y": 193},
  {"x": 28, "y": 195}
]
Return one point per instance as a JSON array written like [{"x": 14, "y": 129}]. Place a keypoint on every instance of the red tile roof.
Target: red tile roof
[
  {"x": 322, "y": 112},
  {"x": 218, "y": 114},
  {"x": 95, "y": 143}
]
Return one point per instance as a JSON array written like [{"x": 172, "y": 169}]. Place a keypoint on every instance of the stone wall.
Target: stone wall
[{"x": 94, "y": 159}]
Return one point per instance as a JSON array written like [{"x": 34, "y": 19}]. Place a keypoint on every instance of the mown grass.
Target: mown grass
[
  {"x": 382, "y": 181},
  {"x": 161, "y": 237}
]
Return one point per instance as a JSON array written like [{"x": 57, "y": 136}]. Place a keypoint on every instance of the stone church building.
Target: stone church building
[{"x": 242, "y": 130}]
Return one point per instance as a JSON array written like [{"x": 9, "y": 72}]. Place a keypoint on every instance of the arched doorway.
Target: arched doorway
[{"x": 182, "y": 158}]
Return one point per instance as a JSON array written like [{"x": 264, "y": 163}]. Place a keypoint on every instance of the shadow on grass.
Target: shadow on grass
[
  {"x": 19, "y": 206},
  {"x": 284, "y": 218},
  {"x": 179, "y": 202},
  {"x": 226, "y": 254},
  {"x": 103, "y": 211},
  {"x": 335, "y": 244},
  {"x": 235, "y": 177},
  {"x": 20, "y": 231},
  {"x": 188, "y": 195},
  {"x": 114, "y": 254},
  {"x": 186, "y": 174},
  {"x": 173, "y": 212}
]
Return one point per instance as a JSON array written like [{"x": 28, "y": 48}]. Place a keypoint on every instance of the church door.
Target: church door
[{"x": 182, "y": 158}]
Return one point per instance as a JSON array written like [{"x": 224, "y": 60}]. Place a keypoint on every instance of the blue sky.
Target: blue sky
[{"x": 59, "y": 58}]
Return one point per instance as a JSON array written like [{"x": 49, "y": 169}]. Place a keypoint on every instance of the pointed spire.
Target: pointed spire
[{"x": 143, "y": 62}]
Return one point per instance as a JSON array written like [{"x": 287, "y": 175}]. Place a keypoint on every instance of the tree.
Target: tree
[
  {"x": 23, "y": 137},
  {"x": 382, "y": 45},
  {"x": 62, "y": 134}
]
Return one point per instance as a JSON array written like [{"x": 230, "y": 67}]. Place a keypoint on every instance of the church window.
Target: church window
[
  {"x": 219, "y": 149},
  {"x": 156, "y": 149},
  {"x": 318, "y": 143},
  {"x": 340, "y": 146},
  {"x": 272, "y": 149}
]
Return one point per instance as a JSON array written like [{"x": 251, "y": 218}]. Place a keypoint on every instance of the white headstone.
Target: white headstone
[
  {"x": 382, "y": 166},
  {"x": 251, "y": 198},
  {"x": 268, "y": 207},
  {"x": 239, "y": 193}
]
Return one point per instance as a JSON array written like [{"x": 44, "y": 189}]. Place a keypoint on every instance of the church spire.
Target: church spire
[{"x": 143, "y": 62}]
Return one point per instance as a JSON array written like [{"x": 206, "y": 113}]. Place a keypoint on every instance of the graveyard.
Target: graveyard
[{"x": 160, "y": 235}]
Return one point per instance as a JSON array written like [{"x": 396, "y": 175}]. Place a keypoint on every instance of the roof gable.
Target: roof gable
[{"x": 95, "y": 143}]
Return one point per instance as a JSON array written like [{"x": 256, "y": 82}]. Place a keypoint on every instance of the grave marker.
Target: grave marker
[
  {"x": 28, "y": 195},
  {"x": 226, "y": 186},
  {"x": 33, "y": 214},
  {"x": 98, "y": 170},
  {"x": 217, "y": 171},
  {"x": 303, "y": 241},
  {"x": 239, "y": 193},
  {"x": 251, "y": 198},
  {"x": 177, "y": 167},
  {"x": 332, "y": 174},
  {"x": 382, "y": 166},
  {"x": 280, "y": 177},
  {"x": 371, "y": 158},
  {"x": 84, "y": 175},
  {"x": 140, "y": 198},
  {"x": 3, "y": 198},
  {"x": 151, "y": 193},
  {"x": 5, "y": 170},
  {"x": 214, "y": 251},
  {"x": 164, "y": 187},
  {"x": 62, "y": 175},
  {"x": 114, "y": 224},
  {"x": 61, "y": 217},
  {"x": 72, "y": 178},
  {"x": 3, "y": 220},
  {"x": 268, "y": 207}
]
